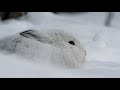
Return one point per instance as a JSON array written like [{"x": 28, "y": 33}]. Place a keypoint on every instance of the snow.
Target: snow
[{"x": 101, "y": 43}]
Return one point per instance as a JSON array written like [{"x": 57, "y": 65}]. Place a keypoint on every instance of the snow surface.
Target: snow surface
[{"x": 101, "y": 43}]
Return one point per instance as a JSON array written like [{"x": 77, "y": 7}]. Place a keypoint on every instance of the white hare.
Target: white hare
[{"x": 55, "y": 47}]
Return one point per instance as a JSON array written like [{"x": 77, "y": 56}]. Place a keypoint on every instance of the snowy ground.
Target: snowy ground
[{"x": 101, "y": 43}]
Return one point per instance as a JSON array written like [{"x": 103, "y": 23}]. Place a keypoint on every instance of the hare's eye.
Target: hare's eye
[{"x": 71, "y": 42}]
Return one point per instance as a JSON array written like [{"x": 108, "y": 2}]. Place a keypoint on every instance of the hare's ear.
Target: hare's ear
[
  {"x": 32, "y": 34},
  {"x": 26, "y": 33}
]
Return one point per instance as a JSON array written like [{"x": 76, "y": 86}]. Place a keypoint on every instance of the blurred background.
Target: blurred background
[{"x": 102, "y": 18}]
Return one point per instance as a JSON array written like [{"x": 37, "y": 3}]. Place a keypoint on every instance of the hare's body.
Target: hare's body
[{"x": 54, "y": 47}]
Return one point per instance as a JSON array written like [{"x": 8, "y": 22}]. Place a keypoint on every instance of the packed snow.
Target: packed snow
[{"x": 100, "y": 42}]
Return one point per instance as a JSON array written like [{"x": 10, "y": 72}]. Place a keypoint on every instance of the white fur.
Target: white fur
[{"x": 51, "y": 47}]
